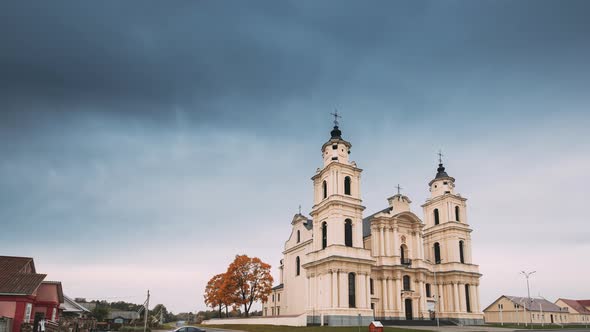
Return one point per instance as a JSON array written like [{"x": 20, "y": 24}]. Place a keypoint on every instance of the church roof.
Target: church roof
[
  {"x": 367, "y": 221},
  {"x": 281, "y": 286}
]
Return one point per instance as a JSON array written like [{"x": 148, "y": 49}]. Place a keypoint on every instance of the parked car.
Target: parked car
[{"x": 189, "y": 329}]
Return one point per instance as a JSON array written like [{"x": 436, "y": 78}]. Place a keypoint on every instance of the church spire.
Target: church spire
[
  {"x": 440, "y": 171},
  {"x": 336, "y": 133}
]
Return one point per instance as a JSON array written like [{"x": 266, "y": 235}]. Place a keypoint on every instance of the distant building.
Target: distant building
[
  {"x": 24, "y": 295},
  {"x": 579, "y": 310},
  {"x": 71, "y": 308},
  {"x": 122, "y": 317},
  {"x": 517, "y": 310}
]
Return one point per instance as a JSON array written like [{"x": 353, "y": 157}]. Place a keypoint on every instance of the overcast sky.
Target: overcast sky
[{"x": 145, "y": 143}]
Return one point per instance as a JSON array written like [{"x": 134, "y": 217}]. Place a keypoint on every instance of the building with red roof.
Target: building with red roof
[
  {"x": 579, "y": 313},
  {"x": 25, "y": 296}
]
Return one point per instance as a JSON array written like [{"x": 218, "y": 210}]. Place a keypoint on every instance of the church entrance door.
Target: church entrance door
[{"x": 408, "y": 304}]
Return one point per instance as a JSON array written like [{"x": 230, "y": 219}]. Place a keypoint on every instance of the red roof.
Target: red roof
[
  {"x": 577, "y": 305},
  {"x": 16, "y": 278},
  {"x": 585, "y": 303}
]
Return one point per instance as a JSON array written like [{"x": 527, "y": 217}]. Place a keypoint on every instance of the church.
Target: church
[{"x": 341, "y": 269}]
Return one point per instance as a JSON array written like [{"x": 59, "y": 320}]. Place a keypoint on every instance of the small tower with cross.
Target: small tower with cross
[{"x": 398, "y": 202}]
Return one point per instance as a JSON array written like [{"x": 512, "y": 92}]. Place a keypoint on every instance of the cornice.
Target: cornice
[
  {"x": 330, "y": 165},
  {"x": 442, "y": 197}
]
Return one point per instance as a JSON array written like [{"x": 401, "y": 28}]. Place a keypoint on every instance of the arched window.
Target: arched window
[
  {"x": 467, "y": 302},
  {"x": 324, "y": 235},
  {"x": 325, "y": 188},
  {"x": 298, "y": 236},
  {"x": 403, "y": 254},
  {"x": 461, "y": 256},
  {"x": 436, "y": 218},
  {"x": 406, "y": 280},
  {"x": 298, "y": 267},
  {"x": 347, "y": 185},
  {"x": 348, "y": 233},
  {"x": 457, "y": 213},
  {"x": 351, "y": 291},
  {"x": 436, "y": 253},
  {"x": 428, "y": 294}
]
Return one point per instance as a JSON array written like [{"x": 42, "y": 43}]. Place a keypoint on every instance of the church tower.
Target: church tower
[
  {"x": 447, "y": 235},
  {"x": 338, "y": 267}
]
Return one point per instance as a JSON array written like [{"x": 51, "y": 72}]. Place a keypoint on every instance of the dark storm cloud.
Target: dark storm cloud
[{"x": 150, "y": 57}]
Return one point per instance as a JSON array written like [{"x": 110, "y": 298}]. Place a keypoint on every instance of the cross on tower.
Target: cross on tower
[
  {"x": 299, "y": 208},
  {"x": 440, "y": 155},
  {"x": 336, "y": 116},
  {"x": 399, "y": 189}
]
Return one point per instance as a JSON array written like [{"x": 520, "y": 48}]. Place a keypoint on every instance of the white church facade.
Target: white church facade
[{"x": 341, "y": 269}]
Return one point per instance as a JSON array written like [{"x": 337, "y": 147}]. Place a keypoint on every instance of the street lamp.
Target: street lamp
[
  {"x": 436, "y": 298},
  {"x": 527, "y": 275}
]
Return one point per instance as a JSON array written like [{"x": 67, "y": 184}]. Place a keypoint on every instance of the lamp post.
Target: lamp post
[
  {"x": 436, "y": 298},
  {"x": 527, "y": 275}
]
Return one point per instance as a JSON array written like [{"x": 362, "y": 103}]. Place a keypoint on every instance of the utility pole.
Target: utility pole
[
  {"x": 146, "y": 311},
  {"x": 527, "y": 275}
]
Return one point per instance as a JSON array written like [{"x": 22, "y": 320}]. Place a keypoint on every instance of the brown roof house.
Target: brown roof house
[
  {"x": 519, "y": 310},
  {"x": 25, "y": 296},
  {"x": 578, "y": 313}
]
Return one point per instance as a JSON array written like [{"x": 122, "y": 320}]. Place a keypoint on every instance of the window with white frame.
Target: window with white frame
[{"x": 28, "y": 310}]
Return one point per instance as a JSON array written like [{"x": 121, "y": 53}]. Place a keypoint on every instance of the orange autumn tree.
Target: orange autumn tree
[
  {"x": 250, "y": 281},
  {"x": 217, "y": 293}
]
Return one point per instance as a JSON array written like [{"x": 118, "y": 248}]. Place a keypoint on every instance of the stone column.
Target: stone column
[
  {"x": 477, "y": 298},
  {"x": 387, "y": 242},
  {"x": 381, "y": 242},
  {"x": 398, "y": 297},
  {"x": 308, "y": 284},
  {"x": 451, "y": 298},
  {"x": 384, "y": 292},
  {"x": 390, "y": 293},
  {"x": 368, "y": 288},
  {"x": 360, "y": 285},
  {"x": 440, "y": 298},
  {"x": 421, "y": 243},
  {"x": 462, "y": 306},
  {"x": 395, "y": 243},
  {"x": 422, "y": 296},
  {"x": 456, "y": 306},
  {"x": 343, "y": 289},
  {"x": 374, "y": 236},
  {"x": 334, "y": 280}
]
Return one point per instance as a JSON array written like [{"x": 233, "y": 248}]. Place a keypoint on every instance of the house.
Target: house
[
  {"x": 122, "y": 317},
  {"x": 71, "y": 308},
  {"x": 25, "y": 296},
  {"x": 579, "y": 313},
  {"x": 519, "y": 310}
]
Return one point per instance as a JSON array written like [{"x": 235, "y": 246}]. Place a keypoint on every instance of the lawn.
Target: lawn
[
  {"x": 273, "y": 328},
  {"x": 537, "y": 326}
]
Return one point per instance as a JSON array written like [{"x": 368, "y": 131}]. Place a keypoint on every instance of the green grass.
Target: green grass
[
  {"x": 537, "y": 326},
  {"x": 273, "y": 328}
]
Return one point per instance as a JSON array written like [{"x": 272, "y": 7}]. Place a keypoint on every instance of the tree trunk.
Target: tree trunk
[
  {"x": 246, "y": 309},
  {"x": 220, "y": 311},
  {"x": 226, "y": 312}
]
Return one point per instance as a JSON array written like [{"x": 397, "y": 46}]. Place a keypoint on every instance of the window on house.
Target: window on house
[
  {"x": 406, "y": 282},
  {"x": 457, "y": 213},
  {"x": 325, "y": 188},
  {"x": 278, "y": 311},
  {"x": 279, "y": 295},
  {"x": 461, "y": 255},
  {"x": 428, "y": 292},
  {"x": 371, "y": 286},
  {"x": 436, "y": 218},
  {"x": 298, "y": 236},
  {"x": 347, "y": 185},
  {"x": 28, "y": 309},
  {"x": 335, "y": 147},
  {"x": 298, "y": 267},
  {"x": 273, "y": 297},
  {"x": 467, "y": 300},
  {"x": 324, "y": 235},
  {"x": 351, "y": 291},
  {"x": 436, "y": 253},
  {"x": 348, "y": 233},
  {"x": 403, "y": 254}
]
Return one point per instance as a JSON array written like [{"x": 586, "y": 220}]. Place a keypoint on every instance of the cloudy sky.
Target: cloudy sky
[{"x": 144, "y": 144}]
